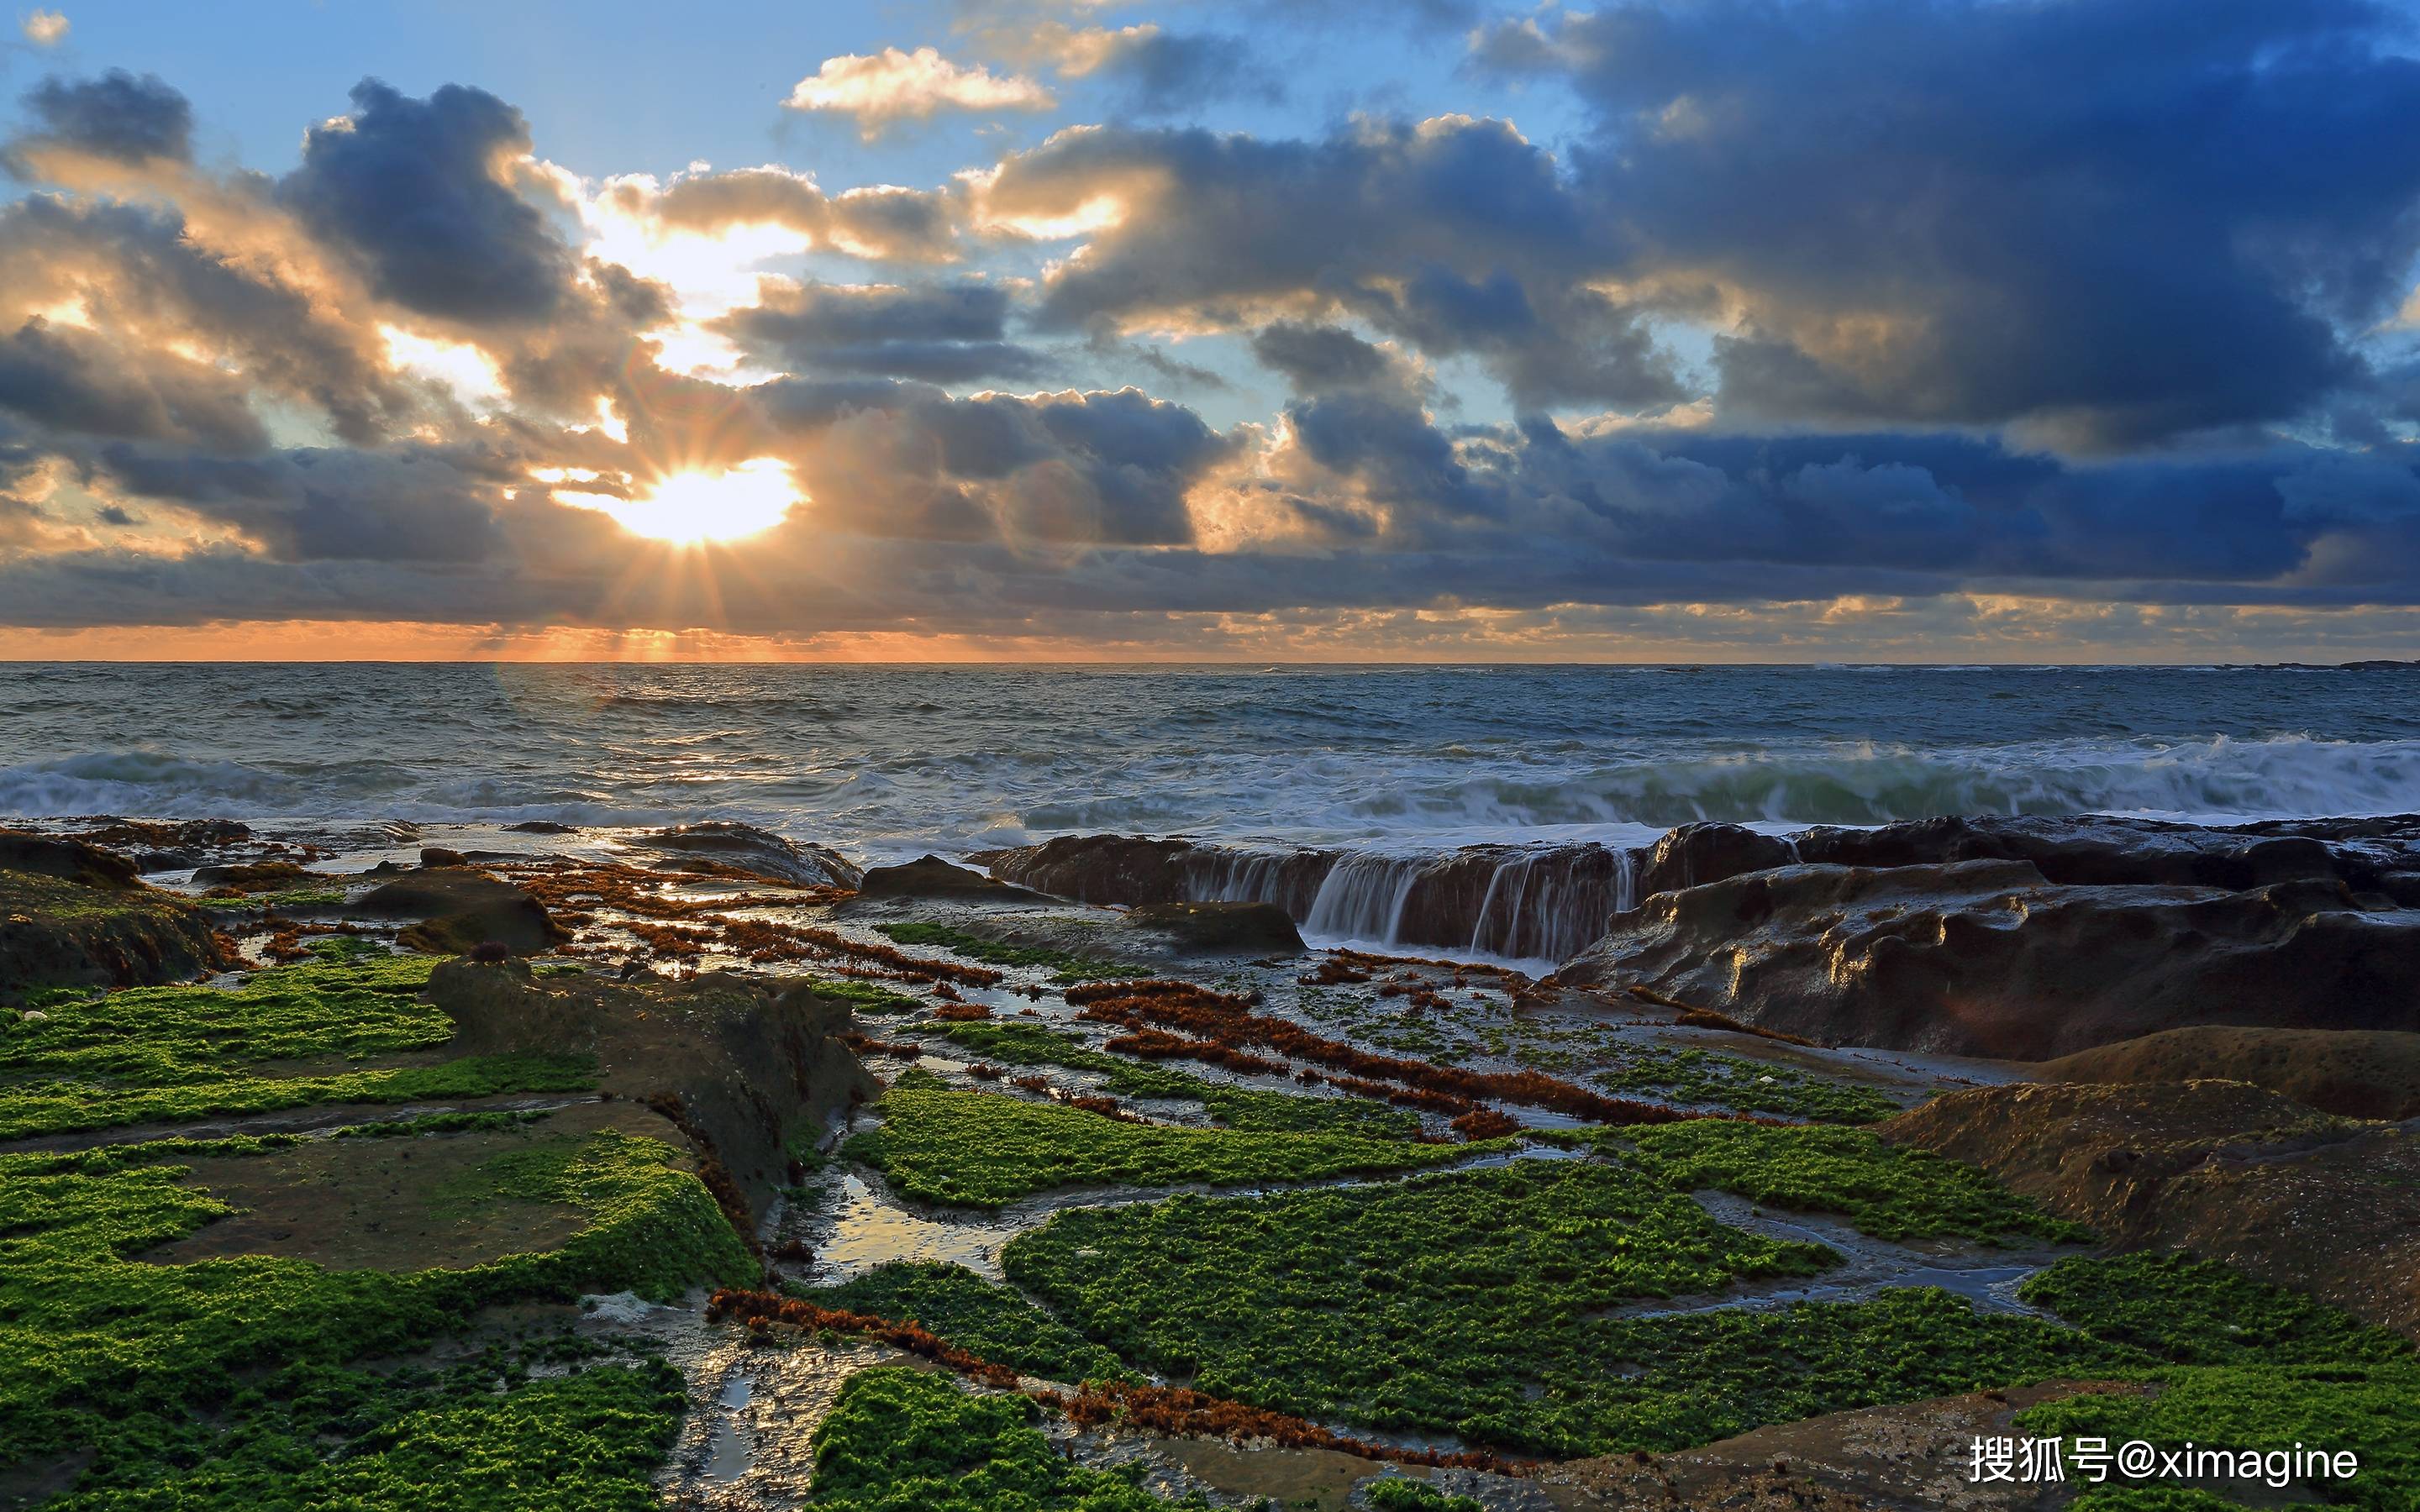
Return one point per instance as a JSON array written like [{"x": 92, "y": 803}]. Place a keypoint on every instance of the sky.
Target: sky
[{"x": 1958, "y": 330}]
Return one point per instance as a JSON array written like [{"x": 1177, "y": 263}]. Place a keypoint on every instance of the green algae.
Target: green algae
[
  {"x": 986, "y": 1150},
  {"x": 1435, "y": 1304},
  {"x": 1882, "y": 1191},
  {"x": 55, "y": 1107},
  {"x": 1704, "y": 1077},
  {"x": 2366, "y": 1409},
  {"x": 472, "y": 1438},
  {"x": 1488, "y": 1305},
  {"x": 161, "y": 1036},
  {"x": 1399, "y": 1493},
  {"x": 160, "y": 1054},
  {"x": 902, "y": 1439},
  {"x": 1067, "y": 965},
  {"x": 868, "y": 998},
  {"x": 153, "y": 1368},
  {"x": 980, "y": 1317},
  {"x": 289, "y": 898},
  {"x": 2256, "y": 1367}
]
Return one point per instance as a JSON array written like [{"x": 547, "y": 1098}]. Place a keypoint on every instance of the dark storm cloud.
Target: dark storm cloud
[
  {"x": 70, "y": 381},
  {"x": 1070, "y": 469},
  {"x": 116, "y": 115},
  {"x": 1319, "y": 358},
  {"x": 1221, "y": 220},
  {"x": 310, "y": 505},
  {"x": 1963, "y": 509},
  {"x": 939, "y": 333},
  {"x": 2116, "y": 220},
  {"x": 416, "y": 189},
  {"x": 1457, "y": 234}
]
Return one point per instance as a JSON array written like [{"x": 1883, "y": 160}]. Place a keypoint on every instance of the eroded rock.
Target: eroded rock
[
  {"x": 459, "y": 908},
  {"x": 1099, "y": 869},
  {"x": 2324, "y": 1205},
  {"x": 75, "y": 916},
  {"x": 720, "y": 847},
  {"x": 747, "y": 1070},
  {"x": 930, "y": 876},
  {"x": 2362, "y": 1073},
  {"x": 1696, "y": 854},
  {"x": 1988, "y": 958},
  {"x": 2091, "y": 850}
]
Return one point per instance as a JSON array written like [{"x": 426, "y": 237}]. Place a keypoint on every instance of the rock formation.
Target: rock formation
[{"x": 1990, "y": 958}]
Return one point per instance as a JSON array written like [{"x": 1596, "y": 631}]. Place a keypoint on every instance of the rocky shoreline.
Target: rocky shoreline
[
  {"x": 1767, "y": 1145},
  {"x": 2021, "y": 938}
]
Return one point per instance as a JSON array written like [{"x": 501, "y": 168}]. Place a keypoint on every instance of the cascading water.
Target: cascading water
[
  {"x": 1362, "y": 898},
  {"x": 1539, "y": 903}
]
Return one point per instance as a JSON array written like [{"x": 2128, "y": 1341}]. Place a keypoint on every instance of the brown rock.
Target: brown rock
[
  {"x": 1695, "y": 855},
  {"x": 1221, "y": 929},
  {"x": 2325, "y": 1205},
  {"x": 1988, "y": 958},
  {"x": 2362, "y": 1073},
  {"x": 459, "y": 909},
  {"x": 721, "y": 847},
  {"x": 749, "y": 1071},
  {"x": 72, "y": 915},
  {"x": 932, "y": 877}
]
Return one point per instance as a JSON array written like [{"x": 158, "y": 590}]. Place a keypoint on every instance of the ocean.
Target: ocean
[{"x": 888, "y": 761}]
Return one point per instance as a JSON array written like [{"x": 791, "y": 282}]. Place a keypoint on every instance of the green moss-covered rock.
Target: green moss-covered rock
[{"x": 72, "y": 915}]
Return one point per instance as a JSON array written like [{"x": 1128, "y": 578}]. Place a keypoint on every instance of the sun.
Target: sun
[{"x": 696, "y": 507}]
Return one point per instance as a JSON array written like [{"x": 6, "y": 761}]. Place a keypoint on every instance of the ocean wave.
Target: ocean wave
[
  {"x": 150, "y": 784},
  {"x": 1382, "y": 760},
  {"x": 2217, "y": 779}
]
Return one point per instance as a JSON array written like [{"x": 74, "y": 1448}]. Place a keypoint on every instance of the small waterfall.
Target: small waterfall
[
  {"x": 1540, "y": 904},
  {"x": 1290, "y": 879},
  {"x": 1362, "y": 898}
]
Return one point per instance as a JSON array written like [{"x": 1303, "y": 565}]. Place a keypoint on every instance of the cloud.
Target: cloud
[
  {"x": 2109, "y": 223},
  {"x": 941, "y": 333},
  {"x": 1162, "y": 72},
  {"x": 44, "y": 28},
  {"x": 883, "y": 221},
  {"x": 1455, "y": 233},
  {"x": 164, "y": 285},
  {"x": 885, "y": 88},
  {"x": 367, "y": 391},
  {"x": 73, "y": 380},
  {"x": 421, "y": 192},
  {"x": 116, "y": 115}
]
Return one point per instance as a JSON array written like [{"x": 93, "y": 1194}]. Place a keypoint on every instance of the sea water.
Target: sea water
[{"x": 885, "y": 762}]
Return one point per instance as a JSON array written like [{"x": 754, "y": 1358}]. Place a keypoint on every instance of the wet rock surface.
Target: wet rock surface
[
  {"x": 722, "y": 847},
  {"x": 1525, "y": 903},
  {"x": 1694, "y": 856},
  {"x": 75, "y": 916},
  {"x": 457, "y": 908},
  {"x": 932, "y": 877},
  {"x": 1230, "y": 929},
  {"x": 2365, "y": 855},
  {"x": 1988, "y": 958}
]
